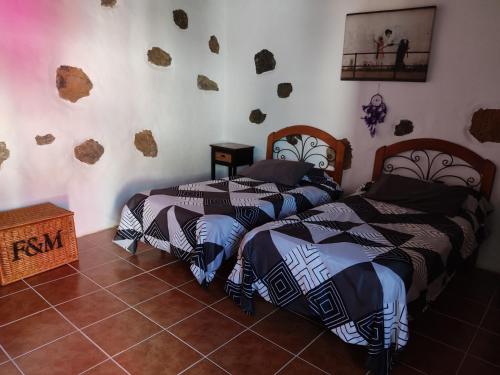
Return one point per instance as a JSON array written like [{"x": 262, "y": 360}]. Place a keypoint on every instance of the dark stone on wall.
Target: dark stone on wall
[
  {"x": 293, "y": 139},
  {"x": 4, "y": 152},
  {"x": 46, "y": 139},
  {"x": 285, "y": 89},
  {"x": 89, "y": 151},
  {"x": 181, "y": 18},
  {"x": 213, "y": 44},
  {"x": 204, "y": 83},
  {"x": 72, "y": 83},
  {"x": 257, "y": 117},
  {"x": 108, "y": 3},
  {"x": 330, "y": 154},
  {"x": 404, "y": 127},
  {"x": 145, "y": 143},
  {"x": 159, "y": 57},
  {"x": 264, "y": 61},
  {"x": 485, "y": 126}
]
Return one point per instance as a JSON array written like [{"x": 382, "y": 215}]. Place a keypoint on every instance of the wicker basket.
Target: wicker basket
[{"x": 35, "y": 239}]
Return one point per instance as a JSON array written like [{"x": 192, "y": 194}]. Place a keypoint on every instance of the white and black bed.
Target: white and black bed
[
  {"x": 357, "y": 263},
  {"x": 203, "y": 223}
]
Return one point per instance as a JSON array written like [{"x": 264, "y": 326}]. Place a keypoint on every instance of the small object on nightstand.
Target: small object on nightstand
[{"x": 231, "y": 155}]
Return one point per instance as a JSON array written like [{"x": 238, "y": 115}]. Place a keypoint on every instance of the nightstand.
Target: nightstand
[{"x": 231, "y": 155}]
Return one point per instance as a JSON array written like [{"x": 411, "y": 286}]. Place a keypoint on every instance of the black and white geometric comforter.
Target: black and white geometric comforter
[
  {"x": 203, "y": 223},
  {"x": 355, "y": 264}
]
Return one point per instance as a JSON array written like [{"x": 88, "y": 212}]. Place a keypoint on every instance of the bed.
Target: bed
[
  {"x": 203, "y": 223},
  {"x": 356, "y": 264}
]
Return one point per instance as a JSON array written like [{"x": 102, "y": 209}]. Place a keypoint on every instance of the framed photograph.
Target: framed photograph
[{"x": 392, "y": 45}]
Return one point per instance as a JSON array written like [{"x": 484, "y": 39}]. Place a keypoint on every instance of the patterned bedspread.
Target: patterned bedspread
[
  {"x": 355, "y": 264},
  {"x": 203, "y": 223}
]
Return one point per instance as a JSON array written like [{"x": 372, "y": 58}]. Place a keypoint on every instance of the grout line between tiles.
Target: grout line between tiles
[
  {"x": 10, "y": 360},
  {"x": 484, "y": 360},
  {"x": 476, "y": 333},
  {"x": 80, "y": 331},
  {"x": 299, "y": 353}
]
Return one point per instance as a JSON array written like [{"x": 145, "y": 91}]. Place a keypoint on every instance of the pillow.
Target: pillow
[
  {"x": 431, "y": 197},
  {"x": 284, "y": 172}
]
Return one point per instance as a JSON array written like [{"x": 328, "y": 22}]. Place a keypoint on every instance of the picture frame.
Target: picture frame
[{"x": 388, "y": 45}]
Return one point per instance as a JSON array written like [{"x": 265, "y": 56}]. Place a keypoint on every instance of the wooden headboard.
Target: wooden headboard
[
  {"x": 307, "y": 143},
  {"x": 436, "y": 160}
]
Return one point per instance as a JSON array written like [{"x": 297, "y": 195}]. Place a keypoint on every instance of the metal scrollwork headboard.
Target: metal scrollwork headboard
[
  {"x": 436, "y": 160},
  {"x": 307, "y": 143}
]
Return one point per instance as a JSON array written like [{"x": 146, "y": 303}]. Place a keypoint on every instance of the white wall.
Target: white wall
[
  {"x": 129, "y": 95},
  {"x": 306, "y": 38}
]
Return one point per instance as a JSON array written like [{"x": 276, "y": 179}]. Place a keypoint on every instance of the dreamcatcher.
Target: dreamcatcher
[{"x": 374, "y": 112}]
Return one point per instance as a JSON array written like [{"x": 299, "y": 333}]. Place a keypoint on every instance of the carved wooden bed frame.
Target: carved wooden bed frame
[
  {"x": 309, "y": 147},
  {"x": 445, "y": 155}
]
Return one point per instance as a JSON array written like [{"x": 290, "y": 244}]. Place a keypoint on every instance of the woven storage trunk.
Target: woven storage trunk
[{"x": 35, "y": 239}]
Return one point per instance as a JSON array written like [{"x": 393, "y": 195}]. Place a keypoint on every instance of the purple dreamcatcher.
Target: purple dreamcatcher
[{"x": 374, "y": 112}]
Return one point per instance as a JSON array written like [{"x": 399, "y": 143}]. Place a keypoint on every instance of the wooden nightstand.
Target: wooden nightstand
[{"x": 231, "y": 155}]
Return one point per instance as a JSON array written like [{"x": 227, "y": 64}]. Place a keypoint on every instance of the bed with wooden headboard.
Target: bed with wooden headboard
[
  {"x": 436, "y": 160},
  {"x": 203, "y": 222},
  {"x": 355, "y": 264}
]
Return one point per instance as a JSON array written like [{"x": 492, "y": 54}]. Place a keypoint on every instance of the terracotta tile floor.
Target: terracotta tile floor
[{"x": 113, "y": 313}]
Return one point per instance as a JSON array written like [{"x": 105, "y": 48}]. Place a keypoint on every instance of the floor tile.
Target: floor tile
[
  {"x": 12, "y": 288},
  {"x": 93, "y": 257},
  {"x": 152, "y": 259},
  {"x": 139, "y": 288},
  {"x": 206, "y": 330},
  {"x": 84, "y": 244},
  {"x": 31, "y": 332},
  {"x": 439, "y": 358},
  {"x": 231, "y": 309},
  {"x": 175, "y": 274},
  {"x": 495, "y": 303},
  {"x": 91, "y": 308},
  {"x": 106, "y": 368},
  {"x": 62, "y": 290},
  {"x": 288, "y": 330},
  {"x": 18, "y": 305},
  {"x": 205, "y": 367},
  {"x": 486, "y": 345},
  {"x": 161, "y": 354},
  {"x": 475, "y": 366},
  {"x": 121, "y": 331},
  {"x": 299, "y": 367},
  {"x": 70, "y": 355},
  {"x": 170, "y": 307},
  {"x": 492, "y": 320},
  {"x": 9, "y": 369},
  {"x": 459, "y": 307},
  {"x": 250, "y": 354},
  {"x": 56, "y": 273},
  {"x": 210, "y": 294},
  {"x": 3, "y": 357},
  {"x": 402, "y": 369},
  {"x": 103, "y": 236},
  {"x": 113, "y": 272},
  {"x": 335, "y": 356},
  {"x": 477, "y": 285},
  {"x": 445, "y": 329}
]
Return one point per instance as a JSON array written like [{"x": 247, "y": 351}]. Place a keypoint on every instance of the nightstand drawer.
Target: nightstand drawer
[{"x": 223, "y": 156}]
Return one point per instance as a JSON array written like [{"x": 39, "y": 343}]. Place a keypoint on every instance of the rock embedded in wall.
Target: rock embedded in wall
[
  {"x": 485, "y": 126},
  {"x": 213, "y": 44},
  {"x": 4, "y": 152},
  {"x": 204, "y": 83},
  {"x": 257, "y": 117},
  {"x": 72, "y": 83},
  {"x": 145, "y": 143},
  {"x": 264, "y": 61},
  {"x": 181, "y": 18},
  {"x": 46, "y": 139},
  {"x": 285, "y": 89},
  {"x": 330, "y": 154},
  {"x": 403, "y": 128},
  {"x": 89, "y": 152},
  {"x": 108, "y": 3},
  {"x": 159, "y": 57}
]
